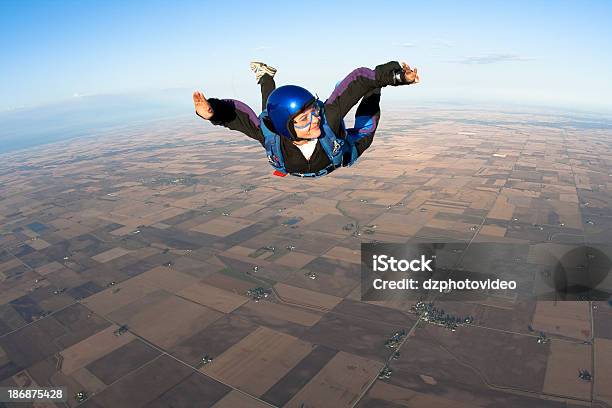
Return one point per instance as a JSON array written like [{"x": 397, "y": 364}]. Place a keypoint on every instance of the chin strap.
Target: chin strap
[{"x": 302, "y": 139}]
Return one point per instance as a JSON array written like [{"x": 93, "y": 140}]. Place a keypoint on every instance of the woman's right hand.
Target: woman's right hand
[
  {"x": 411, "y": 75},
  {"x": 202, "y": 106}
]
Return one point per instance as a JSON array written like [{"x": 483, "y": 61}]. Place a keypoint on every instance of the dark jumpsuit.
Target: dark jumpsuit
[{"x": 362, "y": 83}]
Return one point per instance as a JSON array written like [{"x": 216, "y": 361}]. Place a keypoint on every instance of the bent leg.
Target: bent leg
[{"x": 267, "y": 86}]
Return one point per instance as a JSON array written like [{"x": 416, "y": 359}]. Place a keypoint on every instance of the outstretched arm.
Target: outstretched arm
[
  {"x": 230, "y": 113},
  {"x": 362, "y": 81}
]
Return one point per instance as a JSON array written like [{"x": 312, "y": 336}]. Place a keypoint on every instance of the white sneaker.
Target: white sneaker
[{"x": 259, "y": 68}]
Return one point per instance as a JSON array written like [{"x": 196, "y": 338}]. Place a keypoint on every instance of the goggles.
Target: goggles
[{"x": 304, "y": 119}]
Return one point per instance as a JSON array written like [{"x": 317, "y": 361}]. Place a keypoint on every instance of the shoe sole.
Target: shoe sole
[{"x": 255, "y": 66}]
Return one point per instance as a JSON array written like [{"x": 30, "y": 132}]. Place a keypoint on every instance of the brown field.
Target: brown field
[
  {"x": 378, "y": 197},
  {"x": 247, "y": 210},
  {"x": 89, "y": 381},
  {"x": 570, "y": 198},
  {"x": 3, "y": 357},
  {"x": 165, "y": 214},
  {"x": 239, "y": 250},
  {"x": 137, "y": 209},
  {"x": 603, "y": 370},
  {"x": 449, "y": 225},
  {"x": 338, "y": 286},
  {"x": 357, "y": 209},
  {"x": 192, "y": 264},
  {"x": 66, "y": 277},
  {"x": 400, "y": 316},
  {"x": 229, "y": 284},
  {"x": 237, "y": 399},
  {"x": 294, "y": 294},
  {"x": 114, "y": 365},
  {"x": 564, "y": 362},
  {"x": 140, "y": 387},
  {"x": 492, "y": 230},
  {"x": 397, "y": 224},
  {"x": 295, "y": 259},
  {"x": 569, "y": 213},
  {"x": 307, "y": 216},
  {"x": 286, "y": 388},
  {"x": 258, "y": 361},
  {"x": 223, "y": 226},
  {"x": 331, "y": 224},
  {"x": 517, "y": 319},
  {"x": 417, "y": 199},
  {"x": 49, "y": 268},
  {"x": 193, "y": 201},
  {"x": 388, "y": 171},
  {"x": 344, "y": 254},
  {"x": 12, "y": 290},
  {"x": 462, "y": 393},
  {"x": 321, "y": 205},
  {"x": 168, "y": 279},
  {"x": 5, "y": 266},
  {"x": 213, "y": 297},
  {"x": 352, "y": 334},
  {"x": 307, "y": 241},
  {"x": 38, "y": 244},
  {"x": 570, "y": 319},
  {"x": 72, "y": 385},
  {"x": 125, "y": 229},
  {"x": 69, "y": 229},
  {"x": 502, "y": 209},
  {"x": 283, "y": 312},
  {"x": 93, "y": 347},
  {"x": 338, "y": 384},
  {"x": 244, "y": 265},
  {"x": 118, "y": 296},
  {"x": 455, "y": 356},
  {"x": 214, "y": 339},
  {"x": 270, "y": 322},
  {"x": 110, "y": 255},
  {"x": 164, "y": 319},
  {"x": 264, "y": 195},
  {"x": 602, "y": 315},
  {"x": 405, "y": 397},
  {"x": 196, "y": 390}
]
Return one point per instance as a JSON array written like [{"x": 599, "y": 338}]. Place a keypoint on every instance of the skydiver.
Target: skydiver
[{"x": 302, "y": 135}]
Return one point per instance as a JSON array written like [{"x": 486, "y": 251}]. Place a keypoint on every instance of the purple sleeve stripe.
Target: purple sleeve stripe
[
  {"x": 244, "y": 108},
  {"x": 359, "y": 72}
]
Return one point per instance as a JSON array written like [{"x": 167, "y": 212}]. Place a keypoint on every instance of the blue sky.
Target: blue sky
[{"x": 549, "y": 53}]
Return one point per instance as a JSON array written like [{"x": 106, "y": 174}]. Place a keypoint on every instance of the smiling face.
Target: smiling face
[{"x": 307, "y": 123}]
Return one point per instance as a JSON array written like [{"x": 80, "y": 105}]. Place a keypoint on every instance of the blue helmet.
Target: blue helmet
[{"x": 284, "y": 103}]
